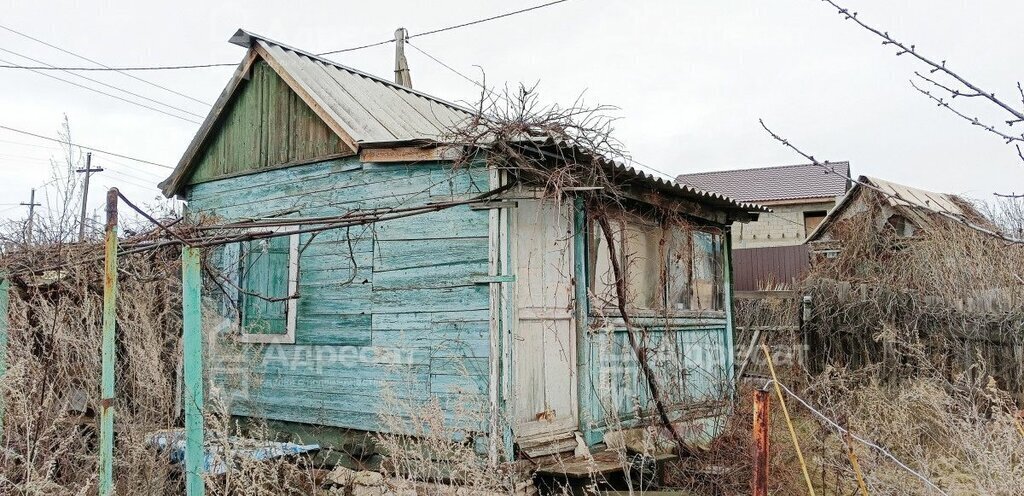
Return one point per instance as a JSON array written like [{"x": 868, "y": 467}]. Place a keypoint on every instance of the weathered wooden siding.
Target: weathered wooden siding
[
  {"x": 400, "y": 312},
  {"x": 266, "y": 125},
  {"x": 690, "y": 358}
]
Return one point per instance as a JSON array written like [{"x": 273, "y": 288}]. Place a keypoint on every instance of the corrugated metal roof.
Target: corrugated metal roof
[
  {"x": 371, "y": 109},
  {"x": 906, "y": 196},
  {"x": 787, "y": 182},
  {"x": 626, "y": 173}
]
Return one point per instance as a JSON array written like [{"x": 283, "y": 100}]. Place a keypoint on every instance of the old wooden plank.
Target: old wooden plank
[
  {"x": 348, "y": 330},
  {"x": 463, "y": 298},
  {"x": 415, "y": 253},
  {"x": 407, "y": 154}
]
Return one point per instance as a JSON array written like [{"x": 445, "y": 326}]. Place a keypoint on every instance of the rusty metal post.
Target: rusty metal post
[
  {"x": 762, "y": 404},
  {"x": 106, "y": 465}
]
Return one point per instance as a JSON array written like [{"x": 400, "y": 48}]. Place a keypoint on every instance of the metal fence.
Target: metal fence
[{"x": 769, "y": 267}]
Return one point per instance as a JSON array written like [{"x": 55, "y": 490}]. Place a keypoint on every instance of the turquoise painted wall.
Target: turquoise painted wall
[
  {"x": 691, "y": 359},
  {"x": 398, "y": 314}
]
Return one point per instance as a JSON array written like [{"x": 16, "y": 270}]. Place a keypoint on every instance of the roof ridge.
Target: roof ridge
[
  {"x": 245, "y": 39},
  {"x": 769, "y": 167}
]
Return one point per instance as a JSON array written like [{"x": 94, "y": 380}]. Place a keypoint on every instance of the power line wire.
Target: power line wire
[
  {"x": 478, "y": 21},
  {"x": 107, "y": 94},
  {"x": 332, "y": 52},
  {"x": 87, "y": 59},
  {"x": 97, "y": 150},
  {"x": 842, "y": 430},
  {"x": 101, "y": 83}
]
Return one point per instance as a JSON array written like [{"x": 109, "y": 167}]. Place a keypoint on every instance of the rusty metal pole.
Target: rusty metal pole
[
  {"x": 762, "y": 404},
  {"x": 106, "y": 465}
]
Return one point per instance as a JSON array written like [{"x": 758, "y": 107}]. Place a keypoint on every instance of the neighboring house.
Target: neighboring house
[
  {"x": 906, "y": 211},
  {"x": 770, "y": 251},
  {"x": 495, "y": 308}
]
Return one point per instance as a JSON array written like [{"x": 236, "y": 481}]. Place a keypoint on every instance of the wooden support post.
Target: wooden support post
[
  {"x": 106, "y": 465},
  {"x": 762, "y": 431},
  {"x": 5, "y": 328},
  {"x": 861, "y": 486},
  {"x": 495, "y": 325},
  {"x": 789, "y": 420},
  {"x": 192, "y": 344},
  {"x": 584, "y": 387},
  {"x": 730, "y": 346}
]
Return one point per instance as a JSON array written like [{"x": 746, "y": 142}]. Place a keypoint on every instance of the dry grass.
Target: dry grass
[{"x": 51, "y": 389}]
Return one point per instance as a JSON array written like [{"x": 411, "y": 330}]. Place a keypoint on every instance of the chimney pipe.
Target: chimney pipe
[{"x": 402, "y": 76}]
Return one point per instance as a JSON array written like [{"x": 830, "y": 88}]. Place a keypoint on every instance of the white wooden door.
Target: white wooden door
[{"x": 543, "y": 344}]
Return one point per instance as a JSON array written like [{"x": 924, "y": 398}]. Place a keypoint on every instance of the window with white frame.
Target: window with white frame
[
  {"x": 267, "y": 279},
  {"x": 673, "y": 267}
]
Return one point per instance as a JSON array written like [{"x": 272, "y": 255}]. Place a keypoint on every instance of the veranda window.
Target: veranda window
[{"x": 665, "y": 268}]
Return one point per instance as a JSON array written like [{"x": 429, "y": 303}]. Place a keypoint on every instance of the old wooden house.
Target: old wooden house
[
  {"x": 885, "y": 206},
  {"x": 497, "y": 309}
]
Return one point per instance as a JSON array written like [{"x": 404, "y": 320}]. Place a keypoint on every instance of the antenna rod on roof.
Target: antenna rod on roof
[{"x": 402, "y": 76}]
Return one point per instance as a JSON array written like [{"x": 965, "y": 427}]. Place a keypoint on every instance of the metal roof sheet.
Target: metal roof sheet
[
  {"x": 369, "y": 108},
  {"x": 373, "y": 111},
  {"x": 628, "y": 172},
  {"x": 787, "y": 182},
  {"x": 914, "y": 203}
]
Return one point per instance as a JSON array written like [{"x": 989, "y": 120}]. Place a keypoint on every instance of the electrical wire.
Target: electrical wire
[
  {"x": 843, "y": 431},
  {"x": 51, "y": 76},
  {"x": 87, "y": 59},
  {"x": 97, "y": 150},
  {"x": 232, "y": 64},
  {"x": 101, "y": 83}
]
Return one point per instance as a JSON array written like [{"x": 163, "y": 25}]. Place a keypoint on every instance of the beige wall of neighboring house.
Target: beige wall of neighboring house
[
  {"x": 786, "y": 225},
  {"x": 771, "y": 251}
]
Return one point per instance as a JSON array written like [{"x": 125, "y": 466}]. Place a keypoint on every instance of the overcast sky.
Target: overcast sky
[{"x": 691, "y": 78}]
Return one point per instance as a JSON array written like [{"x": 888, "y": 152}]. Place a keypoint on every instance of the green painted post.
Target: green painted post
[
  {"x": 585, "y": 387},
  {"x": 5, "y": 287},
  {"x": 192, "y": 343},
  {"x": 109, "y": 328}
]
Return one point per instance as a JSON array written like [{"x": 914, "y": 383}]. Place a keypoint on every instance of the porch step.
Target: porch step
[
  {"x": 602, "y": 463},
  {"x": 553, "y": 444}
]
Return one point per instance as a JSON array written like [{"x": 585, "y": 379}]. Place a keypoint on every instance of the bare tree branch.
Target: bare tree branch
[
  {"x": 828, "y": 167},
  {"x": 973, "y": 120},
  {"x": 940, "y": 67}
]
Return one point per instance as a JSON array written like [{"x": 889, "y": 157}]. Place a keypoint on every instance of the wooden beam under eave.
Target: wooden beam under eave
[
  {"x": 408, "y": 154},
  {"x": 689, "y": 207}
]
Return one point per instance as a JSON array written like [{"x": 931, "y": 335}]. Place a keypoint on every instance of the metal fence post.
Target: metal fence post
[
  {"x": 106, "y": 465},
  {"x": 192, "y": 343}
]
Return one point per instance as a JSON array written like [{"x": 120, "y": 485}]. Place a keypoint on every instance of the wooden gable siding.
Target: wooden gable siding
[
  {"x": 401, "y": 312},
  {"x": 265, "y": 125}
]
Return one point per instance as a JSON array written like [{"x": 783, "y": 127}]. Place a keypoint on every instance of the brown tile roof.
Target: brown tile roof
[{"x": 787, "y": 182}]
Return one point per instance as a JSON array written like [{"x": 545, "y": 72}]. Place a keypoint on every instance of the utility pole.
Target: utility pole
[
  {"x": 88, "y": 170},
  {"x": 31, "y": 215},
  {"x": 402, "y": 75}
]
